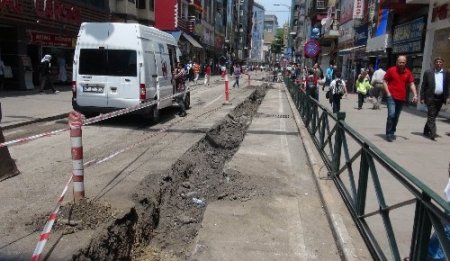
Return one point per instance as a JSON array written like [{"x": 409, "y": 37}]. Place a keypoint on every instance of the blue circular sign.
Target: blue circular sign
[{"x": 312, "y": 48}]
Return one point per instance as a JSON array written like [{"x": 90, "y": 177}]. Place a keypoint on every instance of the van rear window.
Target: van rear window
[{"x": 108, "y": 62}]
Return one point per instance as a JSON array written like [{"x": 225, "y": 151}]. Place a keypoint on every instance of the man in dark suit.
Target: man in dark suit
[{"x": 434, "y": 93}]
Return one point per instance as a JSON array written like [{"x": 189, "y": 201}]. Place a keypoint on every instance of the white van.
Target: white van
[{"x": 118, "y": 65}]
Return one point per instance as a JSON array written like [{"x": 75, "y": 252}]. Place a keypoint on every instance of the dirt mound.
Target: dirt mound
[{"x": 75, "y": 217}]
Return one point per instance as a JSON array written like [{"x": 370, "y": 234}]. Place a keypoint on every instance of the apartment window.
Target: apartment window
[
  {"x": 320, "y": 4},
  {"x": 140, "y": 4}
]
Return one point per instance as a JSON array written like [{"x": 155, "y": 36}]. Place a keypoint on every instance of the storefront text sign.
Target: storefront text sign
[
  {"x": 440, "y": 12},
  {"x": 13, "y": 6},
  {"x": 346, "y": 11},
  {"x": 58, "y": 11},
  {"x": 358, "y": 9},
  {"x": 408, "y": 37},
  {"x": 361, "y": 35},
  {"x": 51, "y": 40}
]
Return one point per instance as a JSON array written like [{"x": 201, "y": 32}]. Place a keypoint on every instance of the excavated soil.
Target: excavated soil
[{"x": 169, "y": 209}]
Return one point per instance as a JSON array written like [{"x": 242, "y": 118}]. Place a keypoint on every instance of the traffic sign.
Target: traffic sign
[{"x": 311, "y": 48}]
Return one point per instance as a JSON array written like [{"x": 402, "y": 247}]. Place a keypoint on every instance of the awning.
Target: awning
[
  {"x": 378, "y": 44},
  {"x": 192, "y": 40},
  {"x": 351, "y": 49},
  {"x": 176, "y": 35}
]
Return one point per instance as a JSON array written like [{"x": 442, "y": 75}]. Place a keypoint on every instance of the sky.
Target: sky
[{"x": 282, "y": 12}]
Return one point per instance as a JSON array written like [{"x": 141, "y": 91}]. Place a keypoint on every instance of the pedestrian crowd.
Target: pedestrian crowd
[{"x": 392, "y": 84}]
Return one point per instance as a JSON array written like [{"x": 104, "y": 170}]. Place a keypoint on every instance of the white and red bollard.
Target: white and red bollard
[
  {"x": 75, "y": 123},
  {"x": 227, "y": 90}
]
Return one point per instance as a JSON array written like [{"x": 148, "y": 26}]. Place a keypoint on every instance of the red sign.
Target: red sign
[
  {"x": 51, "y": 40},
  {"x": 440, "y": 12},
  {"x": 11, "y": 5},
  {"x": 60, "y": 12},
  {"x": 312, "y": 48}
]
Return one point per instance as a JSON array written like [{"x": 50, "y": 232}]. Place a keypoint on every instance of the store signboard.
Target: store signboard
[
  {"x": 361, "y": 35},
  {"x": 358, "y": 9},
  {"x": 46, "y": 39},
  {"x": 346, "y": 11},
  {"x": 408, "y": 37}
]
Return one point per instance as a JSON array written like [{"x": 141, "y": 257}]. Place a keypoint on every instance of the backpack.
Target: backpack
[
  {"x": 310, "y": 82},
  {"x": 339, "y": 87}
]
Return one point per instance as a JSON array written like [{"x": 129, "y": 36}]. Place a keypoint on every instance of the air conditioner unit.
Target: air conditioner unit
[{"x": 320, "y": 4}]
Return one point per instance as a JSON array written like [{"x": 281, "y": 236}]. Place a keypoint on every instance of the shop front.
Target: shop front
[
  {"x": 31, "y": 29},
  {"x": 437, "y": 41},
  {"x": 408, "y": 39}
]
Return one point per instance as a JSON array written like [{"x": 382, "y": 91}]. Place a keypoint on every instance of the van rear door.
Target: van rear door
[
  {"x": 122, "y": 86},
  {"x": 92, "y": 78},
  {"x": 108, "y": 78}
]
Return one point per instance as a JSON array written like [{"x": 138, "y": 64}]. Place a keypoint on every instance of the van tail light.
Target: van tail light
[
  {"x": 74, "y": 89},
  {"x": 142, "y": 92}
]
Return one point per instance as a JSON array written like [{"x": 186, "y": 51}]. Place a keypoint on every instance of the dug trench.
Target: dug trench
[{"x": 169, "y": 209}]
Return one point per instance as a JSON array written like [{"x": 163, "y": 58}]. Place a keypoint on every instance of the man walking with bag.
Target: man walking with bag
[
  {"x": 337, "y": 90},
  {"x": 434, "y": 93},
  {"x": 46, "y": 73}
]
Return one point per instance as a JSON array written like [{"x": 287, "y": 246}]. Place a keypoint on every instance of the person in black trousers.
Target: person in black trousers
[
  {"x": 434, "y": 93},
  {"x": 46, "y": 73}
]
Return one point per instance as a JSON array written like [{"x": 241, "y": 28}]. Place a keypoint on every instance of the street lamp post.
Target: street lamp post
[{"x": 289, "y": 27}]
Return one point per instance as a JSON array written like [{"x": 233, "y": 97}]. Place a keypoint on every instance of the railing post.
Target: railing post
[
  {"x": 338, "y": 144},
  {"x": 421, "y": 232},
  {"x": 75, "y": 123},
  {"x": 227, "y": 90}
]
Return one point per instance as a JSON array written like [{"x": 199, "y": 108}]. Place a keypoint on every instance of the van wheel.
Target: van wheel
[
  {"x": 187, "y": 101},
  {"x": 155, "y": 114}
]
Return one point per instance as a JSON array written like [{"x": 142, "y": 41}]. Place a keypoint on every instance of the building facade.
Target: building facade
[
  {"x": 270, "y": 29},
  {"x": 256, "y": 52}
]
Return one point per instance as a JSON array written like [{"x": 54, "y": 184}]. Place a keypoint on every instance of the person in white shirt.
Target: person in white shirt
[
  {"x": 434, "y": 93},
  {"x": 377, "y": 87}
]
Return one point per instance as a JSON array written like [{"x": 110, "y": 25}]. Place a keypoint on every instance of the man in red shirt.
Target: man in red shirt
[{"x": 396, "y": 80}]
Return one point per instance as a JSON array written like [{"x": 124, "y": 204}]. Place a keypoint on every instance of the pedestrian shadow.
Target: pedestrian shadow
[
  {"x": 398, "y": 137},
  {"x": 425, "y": 137}
]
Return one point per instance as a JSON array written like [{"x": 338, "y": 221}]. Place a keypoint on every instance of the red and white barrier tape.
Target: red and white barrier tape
[
  {"x": 99, "y": 118},
  {"x": 34, "y": 137},
  {"x": 45, "y": 235}
]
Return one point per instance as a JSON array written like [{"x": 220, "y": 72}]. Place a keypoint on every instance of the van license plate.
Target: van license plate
[{"x": 93, "y": 88}]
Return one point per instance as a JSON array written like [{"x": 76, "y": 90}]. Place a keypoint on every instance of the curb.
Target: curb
[
  {"x": 343, "y": 239},
  {"x": 20, "y": 124}
]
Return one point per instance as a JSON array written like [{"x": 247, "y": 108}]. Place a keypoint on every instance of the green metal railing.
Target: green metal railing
[{"x": 366, "y": 177}]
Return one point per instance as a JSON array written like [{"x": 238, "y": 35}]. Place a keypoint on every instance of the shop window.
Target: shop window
[
  {"x": 140, "y": 4},
  {"x": 441, "y": 46},
  {"x": 151, "y": 5},
  {"x": 108, "y": 62}
]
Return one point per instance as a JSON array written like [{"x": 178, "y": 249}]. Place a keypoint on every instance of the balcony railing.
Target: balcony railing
[
  {"x": 183, "y": 24},
  {"x": 318, "y": 6}
]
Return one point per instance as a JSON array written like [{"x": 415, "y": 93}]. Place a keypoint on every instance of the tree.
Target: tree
[{"x": 278, "y": 43}]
